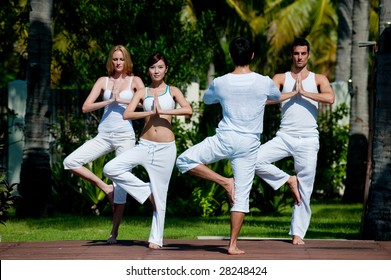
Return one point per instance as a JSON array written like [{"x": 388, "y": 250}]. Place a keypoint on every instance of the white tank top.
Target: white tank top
[
  {"x": 299, "y": 114},
  {"x": 112, "y": 119}
]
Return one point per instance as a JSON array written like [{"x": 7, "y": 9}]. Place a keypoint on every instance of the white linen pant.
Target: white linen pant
[
  {"x": 100, "y": 145},
  {"x": 304, "y": 151},
  {"x": 240, "y": 149},
  {"x": 158, "y": 159}
]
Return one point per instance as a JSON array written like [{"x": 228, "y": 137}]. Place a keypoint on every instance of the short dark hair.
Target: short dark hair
[
  {"x": 300, "y": 42},
  {"x": 241, "y": 51}
]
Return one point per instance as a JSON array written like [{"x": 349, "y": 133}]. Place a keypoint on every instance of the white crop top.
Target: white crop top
[
  {"x": 112, "y": 119},
  {"x": 165, "y": 100},
  {"x": 126, "y": 94}
]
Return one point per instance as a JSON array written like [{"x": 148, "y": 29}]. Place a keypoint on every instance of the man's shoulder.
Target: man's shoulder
[
  {"x": 220, "y": 78},
  {"x": 281, "y": 74},
  {"x": 321, "y": 78},
  {"x": 279, "y": 78}
]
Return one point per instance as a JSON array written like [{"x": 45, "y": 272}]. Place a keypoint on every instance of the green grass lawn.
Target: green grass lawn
[{"x": 330, "y": 220}]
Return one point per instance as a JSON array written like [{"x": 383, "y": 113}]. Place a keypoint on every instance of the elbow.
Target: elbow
[
  {"x": 127, "y": 116},
  {"x": 186, "y": 111},
  {"x": 188, "y": 115},
  {"x": 331, "y": 100}
]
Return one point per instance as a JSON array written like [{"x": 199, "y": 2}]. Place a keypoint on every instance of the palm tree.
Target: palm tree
[
  {"x": 275, "y": 24},
  {"x": 359, "y": 108},
  {"x": 317, "y": 23},
  {"x": 344, "y": 45},
  {"x": 35, "y": 177},
  {"x": 376, "y": 221}
]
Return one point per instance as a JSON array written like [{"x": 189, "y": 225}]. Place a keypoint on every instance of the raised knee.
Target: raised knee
[
  {"x": 107, "y": 170},
  {"x": 181, "y": 164},
  {"x": 68, "y": 163}
]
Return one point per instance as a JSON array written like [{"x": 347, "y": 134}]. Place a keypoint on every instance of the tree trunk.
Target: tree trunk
[
  {"x": 359, "y": 110},
  {"x": 35, "y": 177},
  {"x": 377, "y": 217},
  {"x": 344, "y": 45}
]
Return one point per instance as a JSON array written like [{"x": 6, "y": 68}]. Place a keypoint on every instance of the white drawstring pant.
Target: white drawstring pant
[
  {"x": 100, "y": 145},
  {"x": 158, "y": 159},
  {"x": 304, "y": 151}
]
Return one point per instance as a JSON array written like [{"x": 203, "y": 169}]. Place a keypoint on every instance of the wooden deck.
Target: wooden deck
[
  {"x": 200, "y": 249},
  {"x": 264, "y": 259}
]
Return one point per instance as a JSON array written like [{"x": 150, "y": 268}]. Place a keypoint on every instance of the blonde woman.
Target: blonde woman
[{"x": 113, "y": 93}]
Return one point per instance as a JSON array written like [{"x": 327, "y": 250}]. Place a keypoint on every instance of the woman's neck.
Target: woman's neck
[
  {"x": 157, "y": 84},
  {"x": 117, "y": 76}
]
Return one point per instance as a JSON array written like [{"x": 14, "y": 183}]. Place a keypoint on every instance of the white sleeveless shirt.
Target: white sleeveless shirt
[
  {"x": 112, "y": 119},
  {"x": 299, "y": 114}
]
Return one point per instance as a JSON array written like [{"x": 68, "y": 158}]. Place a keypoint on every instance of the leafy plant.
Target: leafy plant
[
  {"x": 89, "y": 191},
  {"x": 266, "y": 199},
  {"x": 332, "y": 156},
  {"x": 7, "y": 197}
]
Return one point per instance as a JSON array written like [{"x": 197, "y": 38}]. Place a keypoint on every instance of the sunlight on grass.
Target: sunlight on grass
[{"x": 329, "y": 221}]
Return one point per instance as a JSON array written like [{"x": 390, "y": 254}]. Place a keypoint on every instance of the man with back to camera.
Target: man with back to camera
[{"x": 242, "y": 95}]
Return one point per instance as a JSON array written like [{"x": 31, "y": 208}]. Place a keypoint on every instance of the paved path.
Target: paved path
[{"x": 176, "y": 249}]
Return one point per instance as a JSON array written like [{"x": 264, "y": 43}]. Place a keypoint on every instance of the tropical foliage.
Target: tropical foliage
[
  {"x": 14, "y": 20},
  {"x": 7, "y": 197},
  {"x": 275, "y": 24},
  {"x": 331, "y": 166}
]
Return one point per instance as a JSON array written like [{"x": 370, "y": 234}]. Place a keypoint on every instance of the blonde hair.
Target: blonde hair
[{"x": 128, "y": 65}]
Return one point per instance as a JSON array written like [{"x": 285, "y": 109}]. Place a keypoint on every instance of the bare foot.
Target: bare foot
[
  {"x": 296, "y": 240},
  {"x": 235, "y": 251},
  {"x": 293, "y": 185},
  {"x": 229, "y": 186},
  {"x": 112, "y": 239},
  {"x": 153, "y": 246}
]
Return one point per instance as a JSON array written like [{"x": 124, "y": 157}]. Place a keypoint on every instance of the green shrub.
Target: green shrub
[
  {"x": 7, "y": 197},
  {"x": 332, "y": 156}
]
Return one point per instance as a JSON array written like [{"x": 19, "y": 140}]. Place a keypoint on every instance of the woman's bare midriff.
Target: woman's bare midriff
[{"x": 158, "y": 130}]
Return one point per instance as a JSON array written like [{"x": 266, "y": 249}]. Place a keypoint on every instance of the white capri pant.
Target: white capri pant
[
  {"x": 239, "y": 148},
  {"x": 158, "y": 159},
  {"x": 100, "y": 145},
  {"x": 304, "y": 151}
]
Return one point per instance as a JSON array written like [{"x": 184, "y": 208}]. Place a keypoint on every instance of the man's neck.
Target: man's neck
[
  {"x": 302, "y": 71},
  {"x": 242, "y": 70}
]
